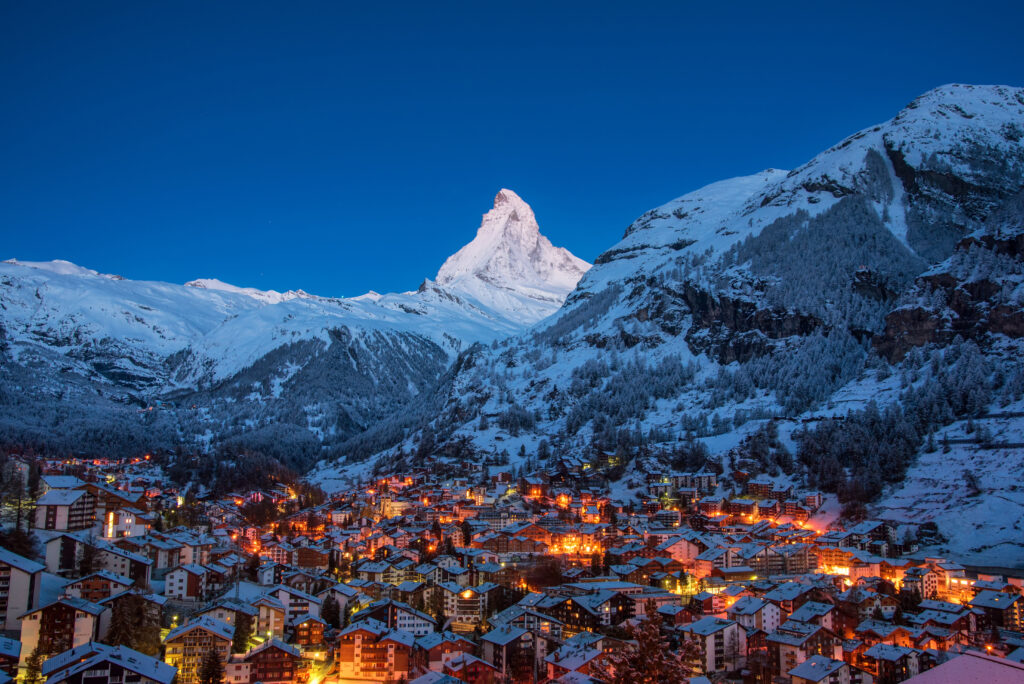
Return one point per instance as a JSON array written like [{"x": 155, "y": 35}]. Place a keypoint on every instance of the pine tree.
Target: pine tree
[
  {"x": 133, "y": 625},
  {"x": 251, "y": 567},
  {"x": 650, "y": 661},
  {"x": 243, "y": 633},
  {"x": 87, "y": 563},
  {"x": 33, "y": 665},
  {"x": 436, "y": 607},
  {"x": 211, "y": 670},
  {"x": 120, "y": 631},
  {"x": 331, "y": 611}
]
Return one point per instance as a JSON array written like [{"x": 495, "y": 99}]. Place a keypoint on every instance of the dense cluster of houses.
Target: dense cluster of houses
[{"x": 534, "y": 579}]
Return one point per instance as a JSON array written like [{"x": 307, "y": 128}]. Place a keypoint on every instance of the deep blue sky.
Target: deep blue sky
[{"x": 339, "y": 147}]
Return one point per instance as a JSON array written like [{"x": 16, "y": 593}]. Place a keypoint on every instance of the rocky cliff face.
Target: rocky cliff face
[{"x": 975, "y": 294}]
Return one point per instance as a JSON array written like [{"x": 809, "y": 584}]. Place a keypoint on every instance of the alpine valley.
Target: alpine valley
[{"x": 854, "y": 325}]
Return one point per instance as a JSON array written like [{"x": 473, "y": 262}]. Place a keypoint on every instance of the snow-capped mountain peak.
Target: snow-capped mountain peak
[{"x": 510, "y": 267}]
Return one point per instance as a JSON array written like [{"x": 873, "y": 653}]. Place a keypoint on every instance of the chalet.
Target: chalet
[
  {"x": 794, "y": 642},
  {"x": 397, "y": 615},
  {"x": 98, "y": 586},
  {"x": 297, "y": 602},
  {"x": 680, "y": 548},
  {"x": 186, "y": 582},
  {"x": 272, "y": 662},
  {"x": 126, "y": 522},
  {"x": 788, "y": 597},
  {"x": 951, "y": 616},
  {"x": 590, "y": 612},
  {"x": 820, "y": 670},
  {"x": 755, "y": 613},
  {"x": 370, "y": 650},
  {"x": 468, "y": 668},
  {"x": 1000, "y": 609},
  {"x": 577, "y": 655},
  {"x": 63, "y": 624},
  {"x": 342, "y": 593},
  {"x": 270, "y": 573},
  {"x": 271, "y": 616},
  {"x": 308, "y": 630},
  {"x": 527, "y": 618},
  {"x": 151, "y": 605},
  {"x": 511, "y": 651},
  {"x": 19, "y": 587},
  {"x": 723, "y": 643},
  {"x": 892, "y": 664},
  {"x": 711, "y": 505},
  {"x": 435, "y": 648},
  {"x": 164, "y": 553},
  {"x": 231, "y": 611},
  {"x": 921, "y": 581},
  {"x": 311, "y": 557},
  {"x": 185, "y": 646},
  {"x": 873, "y": 632},
  {"x": 467, "y": 605},
  {"x": 816, "y": 613},
  {"x": 115, "y": 665},
  {"x": 857, "y": 604},
  {"x": 65, "y": 510}
]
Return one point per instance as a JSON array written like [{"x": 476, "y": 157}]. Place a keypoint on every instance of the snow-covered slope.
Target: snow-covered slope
[
  {"x": 140, "y": 340},
  {"x": 510, "y": 267},
  {"x": 762, "y": 300}
]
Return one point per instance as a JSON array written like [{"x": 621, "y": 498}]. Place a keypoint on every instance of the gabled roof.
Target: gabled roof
[
  {"x": 994, "y": 599},
  {"x": 810, "y": 610},
  {"x": 429, "y": 641},
  {"x": 235, "y": 606},
  {"x": 299, "y": 619},
  {"x": 504, "y": 635},
  {"x": 131, "y": 660},
  {"x": 462, "y": 660},
  {"x": 61, "y": 497},
  {"x": 707, "y": 625},
  {"x": 216, "y": 627},
  {"x": 10, "y": 647},
  {"x": 72, "y": 602},
  {"x": 61, "y": 481},
  {"x": 72, "y": 655},
  {"x": 816, "y": 668},
  {"x": 104, "y": 574},
  {"x": 296, "y": 593},
  {"x": 748, "y": 605},
  {"x": 277, "y": 644},
  {"x": 400, "y": 636},
  {"x": 375, "y": 627},
  {"x": 20, "y": 562},
  {"x": 384, "y": 603},
  {"x": 787, "y": 592},
  {"x": 887, "y": 652}
]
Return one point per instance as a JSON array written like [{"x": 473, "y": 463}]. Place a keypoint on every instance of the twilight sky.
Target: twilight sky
[{"x": 338, "y": 148}]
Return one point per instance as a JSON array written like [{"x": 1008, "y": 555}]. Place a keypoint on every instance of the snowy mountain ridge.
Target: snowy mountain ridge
[{"x": 137, "y": 341}]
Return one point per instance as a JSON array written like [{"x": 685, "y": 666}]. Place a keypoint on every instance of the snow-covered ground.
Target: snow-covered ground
[{"x": 984, "y": 525}]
